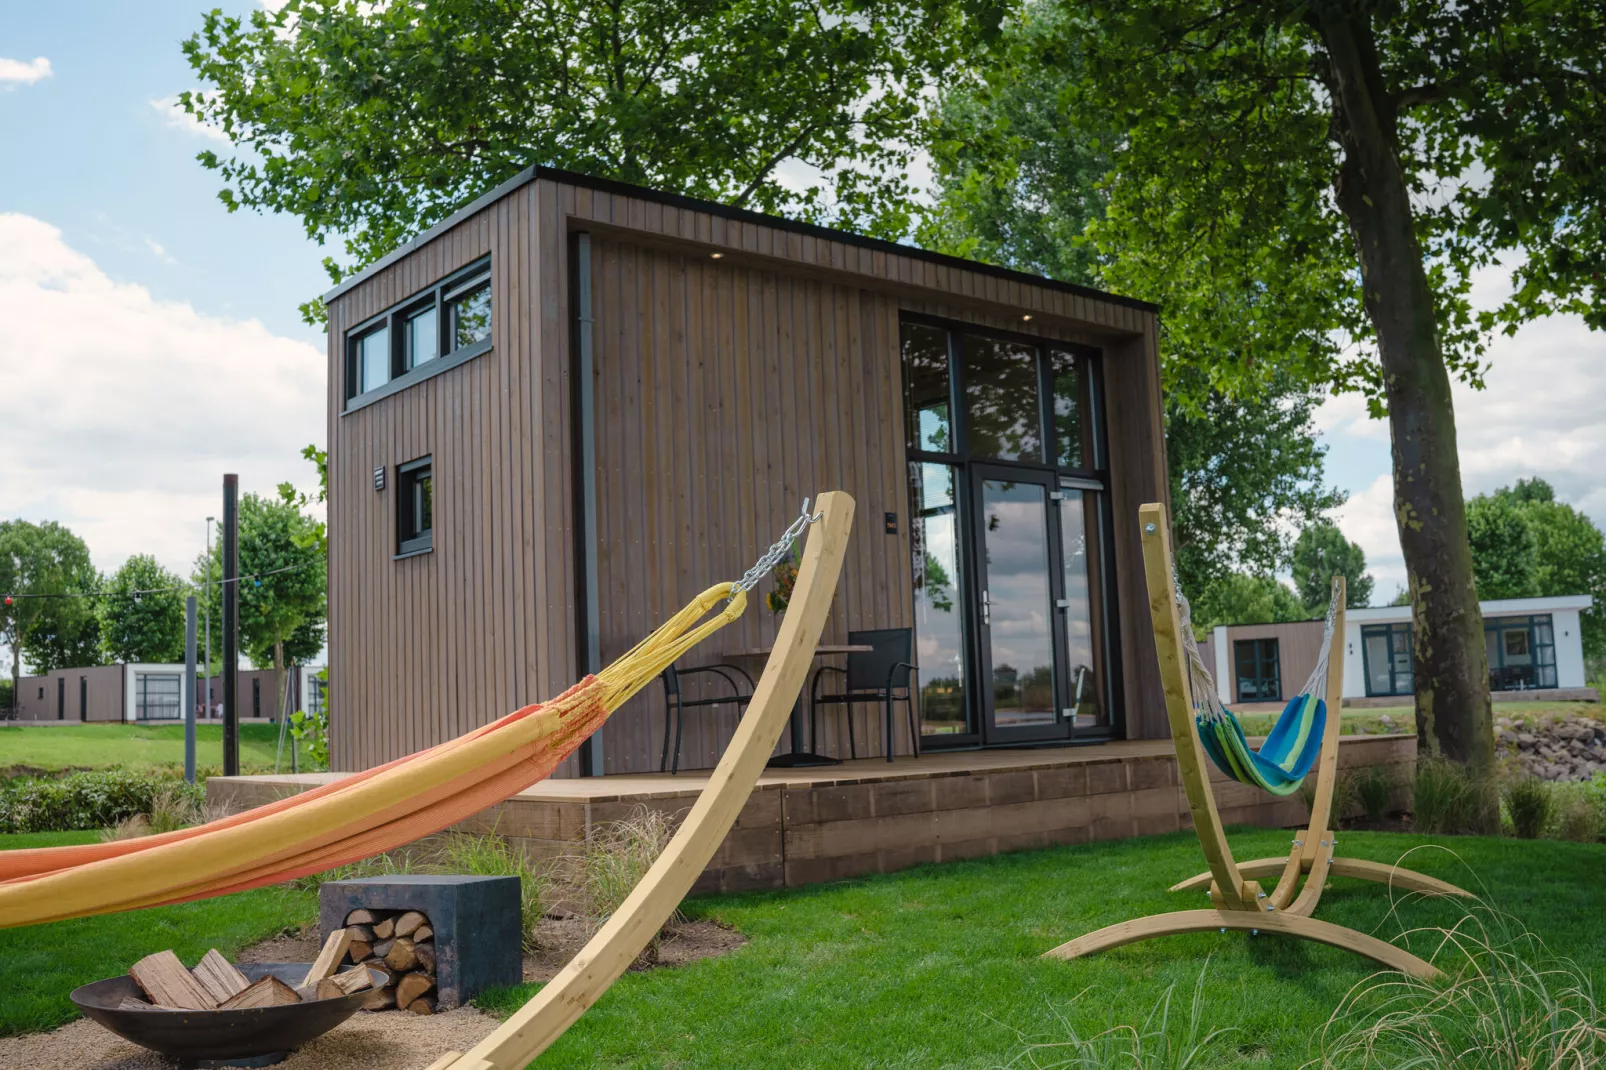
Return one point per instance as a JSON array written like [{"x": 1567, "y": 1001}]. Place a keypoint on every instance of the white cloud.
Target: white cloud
[
  {"x": 123, "y": 411},
  {"x": 159, "y": 251},
  {"x": 179, "y": 119},
  {"x": 15, "y": 72},
  {"x": 1542, "y": 412}
]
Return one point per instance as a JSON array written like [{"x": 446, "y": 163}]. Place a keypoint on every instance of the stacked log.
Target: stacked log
[
  {"x": 401, "y": 944},
  {"x": 216, "y": 984}
]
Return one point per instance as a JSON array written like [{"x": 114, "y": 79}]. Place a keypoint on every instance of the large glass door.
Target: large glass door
[
  {"x": 1017, "y": 629},
  {"x": 1007, "y": 484}
]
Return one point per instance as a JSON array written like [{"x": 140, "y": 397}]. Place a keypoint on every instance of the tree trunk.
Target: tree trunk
[
  {"x": 278, "y": 679},
  {"x": 16, "y": 667},
  {"x": 1453, "y": 715}
]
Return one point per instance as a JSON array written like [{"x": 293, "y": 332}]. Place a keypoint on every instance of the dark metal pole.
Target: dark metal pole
[
  {"x": 189, "y": 689},
  {"x": 591, "y": 750},
  {"x": 231, "y": 625}
]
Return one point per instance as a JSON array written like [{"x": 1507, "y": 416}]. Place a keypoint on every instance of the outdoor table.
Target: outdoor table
[{"x": 800, "y": 757}]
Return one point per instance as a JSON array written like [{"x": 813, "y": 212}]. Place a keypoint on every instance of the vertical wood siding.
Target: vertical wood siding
[{"x": 726, "y": 391}]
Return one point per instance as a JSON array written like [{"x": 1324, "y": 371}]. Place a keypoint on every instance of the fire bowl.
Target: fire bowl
[{"x": 253, "y": 1036}]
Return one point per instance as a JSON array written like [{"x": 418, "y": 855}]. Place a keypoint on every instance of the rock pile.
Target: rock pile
[{"x": 1568, "y": 747}]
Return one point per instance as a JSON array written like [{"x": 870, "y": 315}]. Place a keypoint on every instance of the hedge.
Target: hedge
[{"x": 90, "y": 800}]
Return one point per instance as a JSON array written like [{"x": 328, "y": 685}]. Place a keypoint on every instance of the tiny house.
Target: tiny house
[{"x": 565, "y": 410}]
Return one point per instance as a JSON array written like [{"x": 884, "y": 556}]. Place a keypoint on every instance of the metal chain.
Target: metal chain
[{"x": 775, "y": 554}]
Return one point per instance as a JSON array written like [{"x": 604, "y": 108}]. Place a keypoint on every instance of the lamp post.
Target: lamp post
[{"x": 207, "y": 604}]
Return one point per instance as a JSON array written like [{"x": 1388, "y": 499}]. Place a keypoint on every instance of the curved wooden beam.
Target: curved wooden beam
[
  {"x": 1199, "y": 921},
  {"x": 1378, "y": 872},
  {"x": 533, "y": 1027}
]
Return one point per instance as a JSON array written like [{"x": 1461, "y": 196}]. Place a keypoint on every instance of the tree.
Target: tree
[
  {"x": 1016, "y": 186},
  {"x": 39, "y": 565},
  {"x": 1243, "y": 599},
  {"x": 371, "y": 122},
  {"x": 66, "y": 634},
  {"x": 142, "y": 613},
  {"x": 1503, "y": 547},
  {"x": 1306, "y": 187},
  {"x": 1322, "y": 552}
]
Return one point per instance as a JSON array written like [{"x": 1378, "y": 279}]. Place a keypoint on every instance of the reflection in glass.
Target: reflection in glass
[
  {"x": 471, "y": 317},
  {"x": 1001, "y": 395},
  {"x": 1068, "y": 431},
  {"x": 1086, "y": 691},
  {"x": 423, "y": 340},
  {"x": 925, "y": 378},
  {"x": 373, "y": 359},
  {"x": 939, "y": 625},
  {"x": 1020, "y": 633}
]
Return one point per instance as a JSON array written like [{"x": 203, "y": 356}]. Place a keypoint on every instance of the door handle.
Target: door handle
[{"x": 986, "y": 610}]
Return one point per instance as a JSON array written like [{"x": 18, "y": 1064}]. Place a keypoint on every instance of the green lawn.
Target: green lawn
[
  {"x": 41, "y": 964},
  {"x": 939, "y": 966},
  {"x": 101, "y": 746}
]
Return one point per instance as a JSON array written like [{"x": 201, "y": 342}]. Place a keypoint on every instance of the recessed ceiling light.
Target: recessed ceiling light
[
  {"x": 716, "y": 256},
  {"x": 1027, "y": 316}
]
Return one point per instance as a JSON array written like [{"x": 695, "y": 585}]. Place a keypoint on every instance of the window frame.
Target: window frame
[
  {"x": 406, "y": 479},
  {"x": 1265, "y": 652},
  {"x": 395, "y": 319}
]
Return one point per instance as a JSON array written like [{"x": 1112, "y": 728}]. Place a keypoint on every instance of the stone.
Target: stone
[{"x": 477, "y": 930}]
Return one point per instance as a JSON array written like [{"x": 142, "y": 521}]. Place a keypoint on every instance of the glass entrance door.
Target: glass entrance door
[{"x": 1017, "y": 605}]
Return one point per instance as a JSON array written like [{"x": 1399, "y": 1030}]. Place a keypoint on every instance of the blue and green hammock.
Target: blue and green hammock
[{"x": 1288, "y": 753}]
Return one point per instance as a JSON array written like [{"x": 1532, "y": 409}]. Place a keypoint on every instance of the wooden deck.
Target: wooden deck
[{"x": 802, "y": 826}]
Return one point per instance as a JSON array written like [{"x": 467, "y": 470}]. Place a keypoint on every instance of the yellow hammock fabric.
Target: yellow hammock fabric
[{"x": 357, "y": 817}]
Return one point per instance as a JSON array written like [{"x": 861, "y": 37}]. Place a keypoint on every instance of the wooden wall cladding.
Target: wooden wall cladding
[{"x": 727, "y": 390}]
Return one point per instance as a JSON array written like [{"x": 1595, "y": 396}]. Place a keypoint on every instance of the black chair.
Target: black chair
[
  {"x": 876, "y": 675},
  {"x": 676, "y": 703}
]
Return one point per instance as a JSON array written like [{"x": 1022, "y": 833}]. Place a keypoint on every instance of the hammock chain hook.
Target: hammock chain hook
[{"x": 776, "y": 553}]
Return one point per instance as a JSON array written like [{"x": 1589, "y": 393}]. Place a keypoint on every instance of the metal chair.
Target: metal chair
[
  {"x": 675, "y": 702},
  {"x": 876, "y": 675}
]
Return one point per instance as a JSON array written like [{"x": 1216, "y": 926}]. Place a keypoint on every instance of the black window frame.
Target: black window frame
[
  {"x": 1092, "y": 479},
  {"x": 403, "y": 371},
  {"x": 1387, "y": 631},
  {"x": 410, "y": 541},
  {"x": 1263, "y": 651}
]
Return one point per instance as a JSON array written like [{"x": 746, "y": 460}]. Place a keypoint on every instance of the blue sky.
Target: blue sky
[{"x": 149, "y": 339}]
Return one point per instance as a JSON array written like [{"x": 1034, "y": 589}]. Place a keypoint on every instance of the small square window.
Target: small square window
[
  {"x": 415, "y": 507},
  {"x": 470, "y": 315},
  {"x": 422, "y": 336}
]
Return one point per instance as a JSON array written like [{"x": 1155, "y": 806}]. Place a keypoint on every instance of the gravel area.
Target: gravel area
[{"x": 364, "y": 1042}]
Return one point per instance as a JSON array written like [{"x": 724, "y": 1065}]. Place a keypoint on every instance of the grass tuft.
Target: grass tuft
[
  {"x": 616, "y": 858},
  {"x": 1532, "y": 806},
  {"x": 1512, "y": 1006},
  {"x": 1373, "y": 788},
  {"x": 1446, "y": 797}
]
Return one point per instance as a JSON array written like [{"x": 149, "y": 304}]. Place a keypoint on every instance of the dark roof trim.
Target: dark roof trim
[{"x": 742, "y": 215}]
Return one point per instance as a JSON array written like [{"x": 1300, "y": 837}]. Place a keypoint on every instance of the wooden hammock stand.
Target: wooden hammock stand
[
  {"x": 532, "y": 1028},
  {"x": 1238, "y": 901}
]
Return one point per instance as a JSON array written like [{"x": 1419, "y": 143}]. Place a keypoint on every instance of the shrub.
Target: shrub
[
  {"x": 90, "y": 800},
  {"x": 618, "y": 856},
  {"x": 1512, "y": 1005},
  {"x": 1532, "y": 807},
  {"x": 1447, "y": 798},
  {"x": 490, "y": 855},
  {"x": 1373, "y": 788}
]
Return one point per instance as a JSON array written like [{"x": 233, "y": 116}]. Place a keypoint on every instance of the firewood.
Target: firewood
[
  {"x": 424, "y": 951},
  {"x": 382, "y": 948},
  {"x": 324, "y": 989},
  {"x": 134, "y": 1003},
  {"x": 411, "y": 987},
  {"x": 363, "y": 934},
  {"x": 168, "y": 983},
  {"x": 219, "y": 977},
  {"x": 334, "y": 949},
  {"x": 401, "y": 957},
  {"x": 354, "y": 980},
  {"x": 422, "y": 1005},
  {"x": 268, "y": 992},
  {"x": 408, "y": 922},
  {"x": 358, "y": 950},
  {"x": 382, "y": 999},
  {"x": 386, "y": 929},
  {"x": 422, "y": 933},
  {"x": 390, "y": 976},
  {"x": 361, "y": 917}
]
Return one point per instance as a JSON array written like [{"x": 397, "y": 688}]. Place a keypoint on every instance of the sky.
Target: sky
[{"x": 150, "y": 342}]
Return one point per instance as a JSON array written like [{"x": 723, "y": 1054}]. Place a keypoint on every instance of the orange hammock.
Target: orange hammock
[{"x": 353, "y": 818}]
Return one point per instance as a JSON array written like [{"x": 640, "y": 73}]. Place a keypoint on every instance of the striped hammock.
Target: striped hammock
[{"x": 1288, "y": 753}]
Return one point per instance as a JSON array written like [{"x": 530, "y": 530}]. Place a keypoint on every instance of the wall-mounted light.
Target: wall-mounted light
[
  {"x": 717, "y": 256},
  {"x": 1027, "y": 317}
]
